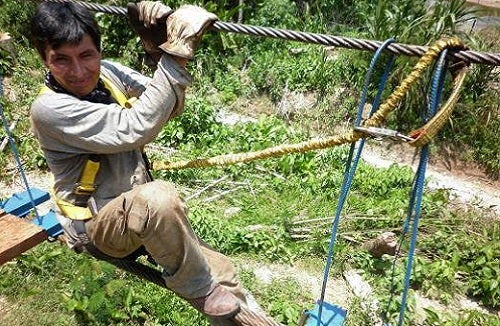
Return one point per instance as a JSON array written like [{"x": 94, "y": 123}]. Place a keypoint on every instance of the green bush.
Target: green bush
[
  {"x": 15, "y": 18},
  {"x": 475, "y": 126},
  {"x": 484, "y": 273},
  {"x": 7, "y": 60},
  {"x": 194, "y": 125}
]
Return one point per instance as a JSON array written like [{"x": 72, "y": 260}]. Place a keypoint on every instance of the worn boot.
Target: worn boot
[
  {"x": 244, "y": 318},
  {"x": 222, "y": 321},
  {"x": 218, "y": 303}
]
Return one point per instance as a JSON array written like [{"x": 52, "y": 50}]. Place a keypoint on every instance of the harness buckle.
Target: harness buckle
[
  {"x": 380, "y": 133},
  {"x": 85, "y": 189}
]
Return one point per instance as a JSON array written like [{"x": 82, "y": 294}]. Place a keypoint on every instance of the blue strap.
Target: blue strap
[
  {"x": 436, "y": 92},
  {"x": 16, "y": 155},
  {"x": 414, "y": 207},
  {"x": 352, "y": 163}
]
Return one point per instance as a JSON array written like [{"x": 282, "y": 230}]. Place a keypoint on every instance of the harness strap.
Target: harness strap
[
  {"x": 86, "y": 185},
  {"x": 117, "y": 93},
  {"x": 71, "y": 210}
]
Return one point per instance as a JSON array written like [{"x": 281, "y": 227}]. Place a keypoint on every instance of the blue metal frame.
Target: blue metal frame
[
  {"x": 50, "y": 224},
  {"x": 21, "y": 204},
  {"x": 331, "y": 315}
]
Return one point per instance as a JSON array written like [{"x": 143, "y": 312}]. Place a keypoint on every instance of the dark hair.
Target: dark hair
[{"x": 55, "y": 24}]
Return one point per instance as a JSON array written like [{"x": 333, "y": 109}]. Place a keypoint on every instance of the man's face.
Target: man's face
[{"x": 75, "y": 67}]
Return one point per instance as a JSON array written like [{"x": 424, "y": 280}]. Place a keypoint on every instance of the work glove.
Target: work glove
[
  {"x": 185, "y": 28},
  {"x": 148, "y": 18}
]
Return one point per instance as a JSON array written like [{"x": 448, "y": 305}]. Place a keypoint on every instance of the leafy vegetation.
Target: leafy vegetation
[{"x": 249, "y": 211}]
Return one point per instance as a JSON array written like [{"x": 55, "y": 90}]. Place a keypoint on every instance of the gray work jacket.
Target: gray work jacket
[{"x": 69, "y": 129}]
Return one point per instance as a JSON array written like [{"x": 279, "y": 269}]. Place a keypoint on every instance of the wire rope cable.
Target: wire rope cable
[{"x": 467, "y": 56}]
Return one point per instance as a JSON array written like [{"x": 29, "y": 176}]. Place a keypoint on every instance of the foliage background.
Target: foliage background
[{"x": 236, "y": 72}]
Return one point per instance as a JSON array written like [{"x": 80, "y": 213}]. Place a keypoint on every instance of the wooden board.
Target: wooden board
[{"x": 17, "y": 236}]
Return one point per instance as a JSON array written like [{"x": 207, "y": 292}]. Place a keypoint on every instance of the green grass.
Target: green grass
[
  {"x": 248, "y": 216},
  {"x": 70, "y": 289}
]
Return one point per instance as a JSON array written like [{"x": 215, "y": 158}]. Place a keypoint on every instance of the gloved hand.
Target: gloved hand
[
  {"x": 148, "y": 18},
  {"x": 185, "y": 28}
]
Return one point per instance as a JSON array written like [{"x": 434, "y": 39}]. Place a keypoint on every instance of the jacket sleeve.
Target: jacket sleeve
[{"x": 64, "y": 123}]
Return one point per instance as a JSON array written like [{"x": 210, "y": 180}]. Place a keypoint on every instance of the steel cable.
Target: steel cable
[{"x": 315, "y": 38}]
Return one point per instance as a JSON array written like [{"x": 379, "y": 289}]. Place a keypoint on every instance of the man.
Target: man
[{"x": 93, "y": 117}]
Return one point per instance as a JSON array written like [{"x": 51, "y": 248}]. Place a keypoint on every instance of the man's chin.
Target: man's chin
[{"x": 81, "y": 92}]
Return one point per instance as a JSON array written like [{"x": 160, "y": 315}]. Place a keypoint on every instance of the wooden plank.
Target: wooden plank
[{"x": 17, "y": 236}]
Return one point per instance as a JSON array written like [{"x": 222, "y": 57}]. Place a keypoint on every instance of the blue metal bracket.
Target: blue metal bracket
[
  {"x": 20, "y": 204},
  {"x": 50, "y": 224},
  {"x": 332, "y": 315}
]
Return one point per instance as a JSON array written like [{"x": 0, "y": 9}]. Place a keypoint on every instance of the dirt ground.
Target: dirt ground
[{"x": 467, "y": 183}]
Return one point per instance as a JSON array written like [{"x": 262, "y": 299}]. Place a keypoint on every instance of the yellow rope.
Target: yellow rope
[
  {"x": 427, "y": 132},
  {"x": 399, "y": 93},
  {"x": 391, "y": 103},
  {"x": 229, "y": 159}
]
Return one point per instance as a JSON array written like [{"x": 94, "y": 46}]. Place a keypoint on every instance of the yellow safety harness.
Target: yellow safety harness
[{"x": 86, "y": 185}]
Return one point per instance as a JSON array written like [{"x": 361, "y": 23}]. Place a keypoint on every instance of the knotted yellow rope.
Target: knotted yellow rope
[
  {"x": 425, "y": 134},
  {"x": 391, "y": 103}
]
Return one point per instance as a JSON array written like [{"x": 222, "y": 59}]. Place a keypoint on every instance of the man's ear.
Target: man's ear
[
  {"x": 44, "y": 57},
  {"x": 45, "y": 63}
]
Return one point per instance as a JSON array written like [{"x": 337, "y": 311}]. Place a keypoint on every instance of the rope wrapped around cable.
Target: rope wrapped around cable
[
  {"x": 427, "y": 55},
  {"x": 466, "y": 56},
  {"x": 422, "y": 135}
]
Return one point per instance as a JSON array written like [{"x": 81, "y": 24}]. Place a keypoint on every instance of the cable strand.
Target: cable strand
[{"x": 321, "y": 39}]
